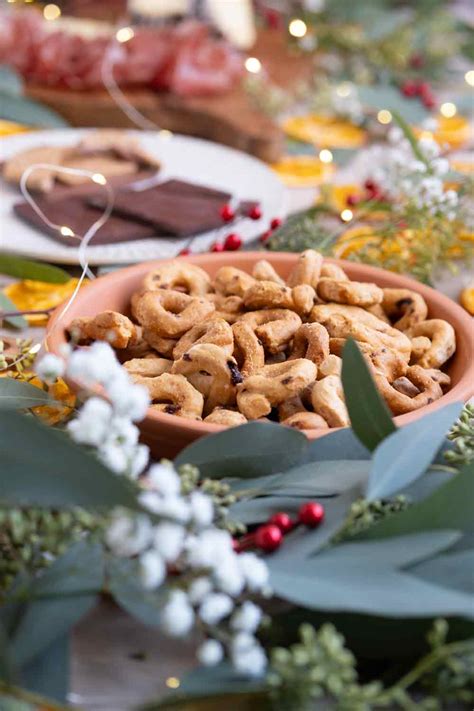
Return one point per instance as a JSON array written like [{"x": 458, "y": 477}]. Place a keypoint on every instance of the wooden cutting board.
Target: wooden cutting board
[{"x": 232, "y": 118}]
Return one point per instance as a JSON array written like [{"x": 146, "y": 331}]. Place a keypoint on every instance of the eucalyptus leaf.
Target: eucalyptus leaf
[
  {"x": 19, "y": 395},
  {"x": 450, "y": 570},
  {"x": 406, "y": 454},
  {"x": 28, "y": 112},
  {"x": 43, "y": 467},
  {"x": 368, "y": 578},
  {"x": 246, "y": 451},
  {"x": 342, "y": 444},
  {"x": 49, "y": 672},
  {"x": 370, "y": 417},
  {"x": 57, "y": 600},
  {"x": 125, "y": 586},
  {"x": 26, "y": 269},
  {"x": 7, "y": 306},
  {"x": 451, "y": 505},
  {"x": 10, "y": 82}
]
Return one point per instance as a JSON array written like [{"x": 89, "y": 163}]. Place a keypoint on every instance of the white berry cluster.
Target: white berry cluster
[
  {"x": 103, "y": 422},
  {"x": 405, "y": 178},
  {"x": 212, "y": 579},
  {"x": 211, "y": 584}
]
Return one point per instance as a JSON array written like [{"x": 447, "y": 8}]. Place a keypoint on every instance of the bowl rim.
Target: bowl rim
[{"x": 460, "y": 392}]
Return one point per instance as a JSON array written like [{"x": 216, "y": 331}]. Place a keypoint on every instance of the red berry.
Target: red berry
[
  {"x": 275, "y": 223},
  {"x": 217, "y": 247},
  {"x": 429, "y": 101},
  {"x": 255, "y": 212},
  {"x": 281, "y": 519},
  {"x": 232, "y": 242},
  {"x": 423, "y": 88},
  {"x": 268, "y": 537},
  {"x": 227, "y": 213},
  {"x": 417, "y": 61},
  {"x": 370, "y": 185},
  {"x": 352, "y": 200},
  {"x": 184, "y": 252},
  {"x": 409, "y": 88},
  {"x": 311, "y": 514},
  {"x": 265, "y": 236}
]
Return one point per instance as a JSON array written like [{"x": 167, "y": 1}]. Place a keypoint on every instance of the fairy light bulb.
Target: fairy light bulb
[
  {"x": 124, "y": 34},
  {"x": 173, "y": 682},
  {"x": 253, "y": 65},
  {"x": 297, "y": 28},
  {"x": 325, "y": 156},
  {"x": 347, "y": 215},
  {"x": 35, "y": 349},
  {"x": 344, "y": 89},
  {"x": 448, "y": 109},
  {"x": 66, "y": 231},
  {"x": 51, "y": 12},
  {"x": 99, "y": 179},
  {"x": 384, "y": 116},
  {"x": 469, "y": 77}
]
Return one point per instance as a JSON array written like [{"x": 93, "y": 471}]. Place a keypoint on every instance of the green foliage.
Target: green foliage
[
  {"x": 302, "y": 231},
  {"x": 20, "y": 395},
  {"x": 26, "y": 269},
  {"x": 462, "y": 434},
  {"x": 7, "y": 306},
  {"x": 15, "y": 107}
]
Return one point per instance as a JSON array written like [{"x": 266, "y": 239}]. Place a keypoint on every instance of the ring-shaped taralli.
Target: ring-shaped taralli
[
  {"x": 272, "y": 385},
  {"x": 406, "y": 306},
  {"x": 419, "y": 346},
  {"x": 404, "y": 386},
  {"x": 333, "y": 271},
  {"x": 354, "y": 293},
  {"x": 311, "y": 341},
  {"x": 443, "y": 341},
  {"x": 230, "y": 281},
  {"x": 109, "y": 326},
  {"x": 304, "y": 298},
  {"x": 332, "y": 365},
  {"x": 264, "y": 271},
  {"x": 377, "y": 335},
  {"x": 400, "y": 403},
  {"x": 215, "y": 331},
  {"x": 305, "y": 421},
  {"x": 248, "y": 347},
  {"x": 171, "y": 313},
  {"x": 274, "y": 327},
  {"x": 227, "y": 418},
  {"x": 327, "y": 399},
  {"x": 230, "y": 308},
  {"x": 172, "y": 394},
  {"x": 178, "y": 275},
  {"x": 163, "y": 346},
  {"x": 147, "y": 367},
  {"x": 207, "y": 358},
  {"x": 379, "y": 359},
  {"x": 268, "y": 295},
  {"x": 307, "y": 269}
]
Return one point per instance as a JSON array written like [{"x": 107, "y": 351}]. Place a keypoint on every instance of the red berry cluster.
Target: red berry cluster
[
  {"x": 269, "y": 536},
  {"x": 420, "y": 89},
  {"x": 233, "y": 241},
  {"x": 274, "y": 225},
  {"x": 372, "y": 192}
]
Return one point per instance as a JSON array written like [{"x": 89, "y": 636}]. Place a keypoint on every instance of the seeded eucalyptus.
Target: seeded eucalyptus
[
  {"x": 462, "y": 434},
  {"x": 363, "y": 514}
]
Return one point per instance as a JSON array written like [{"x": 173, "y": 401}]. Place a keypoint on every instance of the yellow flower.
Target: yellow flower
[
  {"x": 324, "y": 132},
  {"x": 31, "y": 295},
  {"x": 303, "y": 171}
]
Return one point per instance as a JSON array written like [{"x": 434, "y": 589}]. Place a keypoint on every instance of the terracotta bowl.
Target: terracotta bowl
[{"x": 168, "y": 434}]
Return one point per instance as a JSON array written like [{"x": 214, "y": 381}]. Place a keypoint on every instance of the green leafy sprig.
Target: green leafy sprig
[{"x": 462, "y": 434}]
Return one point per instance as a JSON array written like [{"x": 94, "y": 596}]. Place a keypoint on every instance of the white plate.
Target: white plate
[{"x": 190, "y": 159}]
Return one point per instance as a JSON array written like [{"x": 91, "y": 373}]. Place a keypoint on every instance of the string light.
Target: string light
[
  {"x": 51, "y": 12},
  {"x": 253, "y": 65},
  {"x": 325, "y": 156},
  {"x": 347, "y": 215},
  {"x": 165, "y": 134},
  {"x": 124, "y": 34},
  {"x": 172, "y": 682},
  {"x": 448, "y": 109},
  {"x": 66, "y": 231},
  {"x": 427, "y": 134},
  {"x": 34, "y": 349},
  {"x": 469, "y": 77},
  {"x": 344, "y": 89},
  {"x": 297, "y": 28},
  {"x": 384, "y": 116},
  {"x": 99, "y": 178}
]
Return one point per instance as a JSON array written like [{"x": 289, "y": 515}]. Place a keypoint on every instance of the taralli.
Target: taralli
[
  {"x": 263, "y": 271},
  {"x": 273, "y": 384},
  {"x": 311, "y": 341},
  {"x": 210, "y": 360},
  {"x": 404, "y": 305},
  {"x": 108, "y": 326},
  {"x": 327, "y": 399},
  {"x": 443, "y": 342},
  {"x": 170, "y": 313},
  {"x": 227, "y": 418},
  {"x": 215, "y": 331},
  {"x": 307, "y": 269},
  {"x": 174, "y": 395},
  {"x": 399, "y": 403},
  {"x": 238, "y": 347},
  {"x": 355, "y": 293},
  {"x": 178, "y": 276}
]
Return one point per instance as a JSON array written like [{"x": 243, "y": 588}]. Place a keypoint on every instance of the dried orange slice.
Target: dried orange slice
[
  {"x": 303, "y": 171},
  {"x": 466, "y": 299},
  {"x": 31, "y": 295},
  {"x": 324, "y": 132}
]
